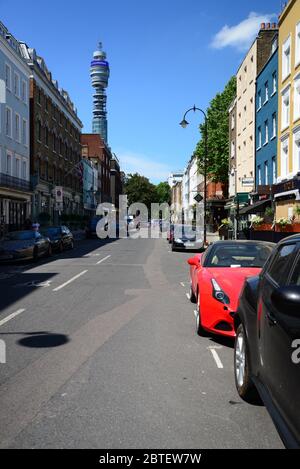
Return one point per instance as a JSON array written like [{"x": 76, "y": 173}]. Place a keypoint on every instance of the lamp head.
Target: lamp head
[{"x": 184, "y": 123}]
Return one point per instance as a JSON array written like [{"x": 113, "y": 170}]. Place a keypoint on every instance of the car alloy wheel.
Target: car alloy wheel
[{"x": 240, "y": 358}]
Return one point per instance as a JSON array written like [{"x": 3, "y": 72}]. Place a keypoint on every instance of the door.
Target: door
[{"x": 278, "y": 331}]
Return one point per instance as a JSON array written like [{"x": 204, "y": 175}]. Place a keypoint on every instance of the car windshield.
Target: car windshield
[
  {"x": 53, "y": 231},
  {"x": 239, "y": 255},
  {"x": 185, "y": 231},
  {"x": 21, "y": 236}
]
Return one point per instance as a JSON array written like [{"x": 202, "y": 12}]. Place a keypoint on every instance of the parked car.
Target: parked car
[
  {"x": 22, "y": 245},
  {"x": 60, "y": 237},
  {"x": 187, "y": 237},
  {"x": 267, "y": 346},
  {"x": 217, "y": 277},
  {"x": 91, "y": 228}
]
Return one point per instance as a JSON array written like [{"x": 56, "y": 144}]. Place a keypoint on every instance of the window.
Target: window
[
  {"x": 24, "y": 170},
  {"x": 258, "y": 100},
  {"x": 266, "y": 173},
  {"x": 46, "y": 136},
  {"x": 8, "y": 163},
  {"x": 245, "y": 117},
  {"x": 16, "y": 85},
  {"x": 232, "y": 149},
  {"x": 39, "y": 96},
  {"x": 274, "y": 45},
  {"x": 274, "y": 125},
  {"x": 259, "y": 140},
  {"x": 296, "y": 151},
  {"x": 274, "y": 82},
  {"x": 274, "y": 172},
  {"x": 297, "y": 48},
  {"x": 24, "y": 91},
  {"x": 17, "y": 168},
  {"x": 39, "y": 131},
  {"x": 285, "y": 108},
  {"x": 8, "y": 122},
  {"x": 266, "y": 91},
  {"x": 232, "y": 121},
  {"x": 24, "y": 132},
  {"x": 259, "y": 175},
  {"x": 280, "y": 267},
  {"x": 297, "y": 98},
  {"x": 284, "y": 157},
  {"x": 17, "y": 127},
  {"x": 266, "y": 132},
  {"x": 8, "y": 76},
  {"x": 286, "y": 58}
]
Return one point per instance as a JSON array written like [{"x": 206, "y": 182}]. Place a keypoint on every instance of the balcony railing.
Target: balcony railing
[{"x": 14, "y": 183}]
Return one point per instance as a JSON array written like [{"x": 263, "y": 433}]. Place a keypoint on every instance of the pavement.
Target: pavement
[{"x": 101, "y": 352}]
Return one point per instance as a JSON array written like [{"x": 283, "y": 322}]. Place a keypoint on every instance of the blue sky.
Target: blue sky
[{"x": 165, "y": 56}]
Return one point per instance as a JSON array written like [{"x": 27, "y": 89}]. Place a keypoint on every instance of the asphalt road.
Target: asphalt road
[{"x": 101, "y": 352}]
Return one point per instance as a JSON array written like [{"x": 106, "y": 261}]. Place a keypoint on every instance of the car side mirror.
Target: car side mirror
[
  {"x": 287, "y": 300},
  {"x": 195, "y": 261}
]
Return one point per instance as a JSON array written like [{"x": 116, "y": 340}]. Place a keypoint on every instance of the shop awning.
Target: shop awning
[{"x": 256, "y": 207}]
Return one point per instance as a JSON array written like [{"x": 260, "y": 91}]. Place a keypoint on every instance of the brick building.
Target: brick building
[{"x": 55, "y": 147}]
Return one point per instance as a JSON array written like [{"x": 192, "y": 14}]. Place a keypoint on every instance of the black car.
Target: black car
[
  {"x": 23, "y": 245},
  {"x": 91, "y": 228},
  {"x": 267, "y": 346},
  {"x": 60, "y": 237},
  {"x": 186, "y": 237}
]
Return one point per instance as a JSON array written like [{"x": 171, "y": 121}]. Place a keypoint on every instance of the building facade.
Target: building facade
[
  {"x": 266, "y": 123},
  {"x": 286, "y": 192},
  {"x": 54, "y": 143},
  {"x": 191, "y": 185},
  {"x": 116, "y": 182},
  {"x": 15, "y": 188},
  {"x": 251, "y": 66},
  {"x": 232, "y": 150},
  {"x": 90, "y": 186}
]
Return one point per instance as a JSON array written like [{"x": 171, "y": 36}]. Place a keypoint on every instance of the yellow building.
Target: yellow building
[{"x": 287, "y": 189}]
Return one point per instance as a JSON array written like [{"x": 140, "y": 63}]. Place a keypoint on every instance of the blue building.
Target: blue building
[
  {"x": 266, "y": 122},
  {"x": 15, "y": 194}
]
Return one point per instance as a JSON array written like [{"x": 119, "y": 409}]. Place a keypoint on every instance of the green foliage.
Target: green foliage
[
  {"x": 256, "y": 221},
  {"x": 297, "y": 210},
  {"x": 269, "y": 212},
  {"x": 139, "y": 189},
  {"x": 218, "y": 135},
  {"x": 163, "y": 193}
]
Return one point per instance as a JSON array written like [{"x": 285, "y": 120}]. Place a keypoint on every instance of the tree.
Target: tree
[
  {"x": 163, "y": 193},
  {"x": 139, "y": 189},
  {"x": 218, "y": 135}
]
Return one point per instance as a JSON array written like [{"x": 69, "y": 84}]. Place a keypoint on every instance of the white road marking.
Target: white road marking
[
  {"x": 195, "y": 313},
  {"x": 102, "y": 260},
  {"x": 182, "y": 284},
  {"x": 69, "y": 281},
  {"x": 187, "y": 295},
  {"x": 11, "y": 316},
  {"x": 216, "y": 358}
]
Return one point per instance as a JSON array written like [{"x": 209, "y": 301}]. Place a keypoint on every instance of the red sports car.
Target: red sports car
[{"x": 217, "y": 277}]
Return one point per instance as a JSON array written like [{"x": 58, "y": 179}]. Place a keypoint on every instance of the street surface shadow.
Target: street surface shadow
[
  {"x": 225, "y": 341},
  {"x": 44, "y": 340}
]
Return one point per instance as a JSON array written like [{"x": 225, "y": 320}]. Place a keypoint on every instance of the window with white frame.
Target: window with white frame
[
  {"x": 8, "y": 122},
  {"x": 16, "y": 85},
  {"x": 285, "y": 117},
  {"x": 258, "y": 100},
  {"x": 266, "y": 173},
  {"x": 296, "y": 151},
  {"x": 297, "y": 98},
  {"x": 24, "y": 170},
  {"x": 286, "y": 58},
  {"x": 8, "y": 163},
  {"x": 259, "y": 139},
  {"x": 8, "y": 76},
  {"x": 266, "y": 91},
  {"x": 274, "y": 175},
  {"x": 266, "y": 132},
  {"x": 17, "y": 127},
  {"x": 297, "y": 46},
  {"x": 24, "y": 132},
  {"x": 232, "y": 149},
  {"x": 274, "y": 45},
  {"x": 232, "y": 121},
  {"x": 274, "y": 82},
  {"x": 17, "y": 168},
  {"x": 259, "y": 175},
  {"x": 24, "y": 91},
  {"x": 284, "y": 158},
  {"x": 274, "y": 125}
]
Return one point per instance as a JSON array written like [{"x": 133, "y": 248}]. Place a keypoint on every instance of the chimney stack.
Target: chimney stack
[
  {"x": 263, "y": 26},
  {"x": 268, "y": 25}
]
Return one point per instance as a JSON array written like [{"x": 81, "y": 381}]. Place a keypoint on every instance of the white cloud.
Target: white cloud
[
  {"x": 145, "y": 166},
  {"x": 242, "y": 34}
]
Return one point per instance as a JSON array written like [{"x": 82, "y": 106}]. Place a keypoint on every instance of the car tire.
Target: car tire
[
  {"x": 61, "y": 247},
  {"x": 72, "y": 244},
  {"x": 199, "y": 328},
  {"x": 192, "y": 296},
  {"x": 35, "y": 256},
  {"x": 242, "y": 371},
  {"x": 49, "y": 251}
]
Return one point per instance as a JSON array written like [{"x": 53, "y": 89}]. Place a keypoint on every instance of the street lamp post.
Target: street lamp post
[{"x": 184, "y": 124}]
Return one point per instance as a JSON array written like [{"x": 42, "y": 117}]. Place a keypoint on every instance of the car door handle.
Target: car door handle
[{"x": 271, "y": 319}]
